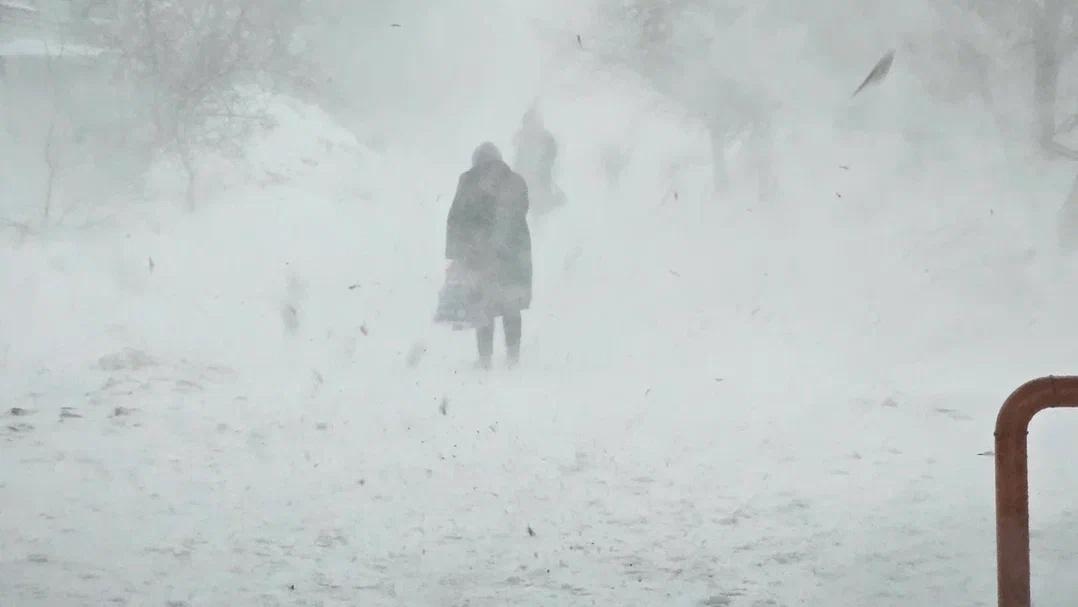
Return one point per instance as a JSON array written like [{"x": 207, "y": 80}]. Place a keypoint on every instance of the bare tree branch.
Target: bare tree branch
[{"x": 1061, "y": 149}]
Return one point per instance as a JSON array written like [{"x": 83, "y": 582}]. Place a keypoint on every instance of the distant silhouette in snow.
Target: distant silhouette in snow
[{"x": 536, "y": 154}]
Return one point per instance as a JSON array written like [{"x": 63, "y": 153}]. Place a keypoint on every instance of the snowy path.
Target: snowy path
[
  {"x": 176, "y": 484},
  {"x": 713, "y": 411}
]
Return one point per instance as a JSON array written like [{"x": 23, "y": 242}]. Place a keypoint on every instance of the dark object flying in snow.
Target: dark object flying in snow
[
  {"x": 579, "y": 41},
  {"x": 879, "y": 72},
  {"x": 394, "y": 25}
]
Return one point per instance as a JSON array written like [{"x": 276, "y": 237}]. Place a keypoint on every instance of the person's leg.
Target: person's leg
[
  {"x": 484, "y": 337},
  {"x": 512, "y": 324}
]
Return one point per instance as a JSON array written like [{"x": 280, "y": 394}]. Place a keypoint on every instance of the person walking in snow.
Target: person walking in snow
[
  {"x": 487, "y": 239},
  {"x": 536, "y": 153}
]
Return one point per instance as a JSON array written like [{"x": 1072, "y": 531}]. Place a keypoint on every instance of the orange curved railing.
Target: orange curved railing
[{"x": 1012, "y": 481}]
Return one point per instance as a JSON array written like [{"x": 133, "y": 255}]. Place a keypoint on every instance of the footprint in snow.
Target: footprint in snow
[
  {"x": 721, "y": 600},
  {"x": 953, "y": 414}
]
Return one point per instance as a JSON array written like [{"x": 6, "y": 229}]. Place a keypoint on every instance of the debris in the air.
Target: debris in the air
[
  {"x": 879, "y": 72},
  {"x": 415, "y": 354},
  {"x": 290, "y": 318},
  {"x": 68, "y": 412}
]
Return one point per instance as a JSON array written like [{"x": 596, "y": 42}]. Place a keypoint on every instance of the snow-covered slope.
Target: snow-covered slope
[{"x": 722, "y": 402}]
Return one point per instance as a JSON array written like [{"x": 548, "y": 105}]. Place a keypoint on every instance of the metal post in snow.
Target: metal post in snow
[{"x": 1012, "y": 481}]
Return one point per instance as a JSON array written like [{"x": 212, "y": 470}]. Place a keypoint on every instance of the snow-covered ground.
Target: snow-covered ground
[{"x": 722, "y": 402}]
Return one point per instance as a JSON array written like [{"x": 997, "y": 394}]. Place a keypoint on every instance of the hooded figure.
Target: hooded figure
[
  {"x": 536, "y": 154},
  {"x": 487, "y": 238}
]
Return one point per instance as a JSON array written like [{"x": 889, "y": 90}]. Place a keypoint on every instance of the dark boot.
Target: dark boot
[
  {"x": 484, "y": 339},
  {"x": 513, "y": 329}
]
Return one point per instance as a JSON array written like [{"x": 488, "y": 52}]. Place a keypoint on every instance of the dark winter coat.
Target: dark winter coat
[{"x": 487, "y": 231}]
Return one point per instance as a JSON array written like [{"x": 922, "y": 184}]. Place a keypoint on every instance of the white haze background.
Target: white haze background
[{"x": 723, "y": 400}]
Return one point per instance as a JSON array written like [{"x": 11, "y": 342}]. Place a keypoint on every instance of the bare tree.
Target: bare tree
[
  {"x": 676, "y": 45},
  {"x": 1054, "y": 28},
  {"x": 53, "y": 53},
  {"x": 52, "y": 168},
  {"x": 1053, "y": 44},
  {"x": 199, "y": 62},
  {"x": 1040, "y": 36},
  {"x": 50, "y": 151}
]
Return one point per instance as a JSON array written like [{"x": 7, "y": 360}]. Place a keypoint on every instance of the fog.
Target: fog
[{"x": 787, "y": 260}]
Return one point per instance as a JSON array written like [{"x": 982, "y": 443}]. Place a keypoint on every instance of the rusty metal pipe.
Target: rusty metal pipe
[{"x": 1012, "y": 481}]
